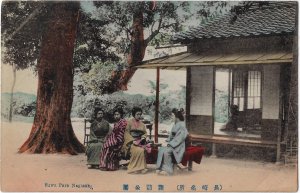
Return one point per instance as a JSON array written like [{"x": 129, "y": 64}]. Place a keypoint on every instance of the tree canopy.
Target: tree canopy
[
  {"x": 26, "y": 20},
  {"x": 59, "y": 38}
]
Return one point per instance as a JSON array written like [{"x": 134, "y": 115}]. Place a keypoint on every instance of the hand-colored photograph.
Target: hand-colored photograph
[{"x": 149, "y": 96}]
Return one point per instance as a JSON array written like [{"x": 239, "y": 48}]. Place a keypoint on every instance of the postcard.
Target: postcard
[{"x": 149, "y": 96}]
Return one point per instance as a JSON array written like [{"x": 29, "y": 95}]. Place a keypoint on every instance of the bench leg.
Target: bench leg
[
  {"x": 213, "y": 151},
  {"x": 278, "y": 153},
  {"x": 190, "y": 165}
]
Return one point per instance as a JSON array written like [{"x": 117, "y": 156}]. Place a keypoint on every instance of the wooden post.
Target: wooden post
[
  {"x": 213, "y": 151},
  {"x": 85, "y": 137},
  {"x": 156, "y": 106},
  {"x": 278, "y": 148},
  {"x": 190, "y": 165}
]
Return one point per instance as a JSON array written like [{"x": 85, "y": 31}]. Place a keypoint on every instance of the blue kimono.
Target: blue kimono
[{"x": 175, "y": 147}]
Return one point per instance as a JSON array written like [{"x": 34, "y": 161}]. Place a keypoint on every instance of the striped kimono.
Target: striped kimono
[{"x": 109, "y": 157}]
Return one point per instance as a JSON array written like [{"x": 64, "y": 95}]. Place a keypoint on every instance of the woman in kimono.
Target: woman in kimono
[
  {"x": 98, "y": 131},
  {"x": 135, "y": 143},
  {"x": 109, "y": 157},
  {"x": 175, "y": 145}
]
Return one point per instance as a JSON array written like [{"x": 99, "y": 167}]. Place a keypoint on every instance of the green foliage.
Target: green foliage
[
  {"x": 27, "y": 20},
  {"x": 83, "y": 106},
  {"x": 23, "y": 104},
  {"x": 102, "y": 38},
  {"x": 162, "y": 18},
  {"x": 91, "y": 44},
  {"x": 23, "y": 48},
  {"x": 221, "y": 107},
  {"x": 96, "y": 79}
]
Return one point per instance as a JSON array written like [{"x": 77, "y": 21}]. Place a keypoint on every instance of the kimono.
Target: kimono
[
  {"x": 176, "y": 148},
  {"x": 131, "y": 146},
  {"x": 109, "y": 156},
  {"x": 98, "y": 132}
]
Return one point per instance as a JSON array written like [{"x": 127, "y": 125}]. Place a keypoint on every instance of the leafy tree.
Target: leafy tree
[
  {"x": 42, "y": 35},
  {"x": 18, "y": 14},
  {"x": 135, "y": 25},
  {"x": 52, "y": 130},
  {"x": 129, "y": 20}
]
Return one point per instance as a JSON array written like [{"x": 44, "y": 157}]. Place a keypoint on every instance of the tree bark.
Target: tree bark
[
  {"x": 137, "y": 46},
  {"x": 52, "y": 130},
  {"x": 10, "y": 115},
  {"x": 135, "y": 57}
]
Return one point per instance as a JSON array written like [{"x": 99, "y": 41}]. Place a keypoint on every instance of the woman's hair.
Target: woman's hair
[
  {"x": 119, "y": 110},
  {"x": 97, "y": 110},
  {"x": 178, "y": 113},
  {"x": 135, "y": 110}
]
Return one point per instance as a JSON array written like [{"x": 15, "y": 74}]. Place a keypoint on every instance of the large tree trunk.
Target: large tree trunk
[
  {"x": 52, "y": 131},
  {"x": 119, "y": 79}
]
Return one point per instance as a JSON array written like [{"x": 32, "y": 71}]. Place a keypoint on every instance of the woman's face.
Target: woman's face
[
  {"x": 117, "y": 116},
  {"x": 99, "y": 115},
  {"x": 138, "y": 115}
]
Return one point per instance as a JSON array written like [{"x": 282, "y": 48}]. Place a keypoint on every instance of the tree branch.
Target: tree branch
[
  {"x": 128, "y": 34},
  {"x": 154, "y": 33},
  {"x": 33, "y": 14},
  {"x": 152, "y": 26}
]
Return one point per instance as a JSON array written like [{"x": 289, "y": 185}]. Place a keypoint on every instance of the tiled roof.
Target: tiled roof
[{"x": 273, "y": 18}]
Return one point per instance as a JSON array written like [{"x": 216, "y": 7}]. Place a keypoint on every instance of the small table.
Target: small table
[
  {"x": 152, "y": 156},
  {"x": 192, "y": 154}
]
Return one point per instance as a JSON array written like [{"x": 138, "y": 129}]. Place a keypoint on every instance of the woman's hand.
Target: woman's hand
[{"x": 136, "y": 142}]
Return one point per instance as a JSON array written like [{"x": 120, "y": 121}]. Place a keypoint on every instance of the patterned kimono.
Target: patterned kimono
[
  {"x": 98, "y": 132},
  {"x": 109, "y": 157},
  {"x": 176, "y": 148},
  {"x": 137, "y": 160}
]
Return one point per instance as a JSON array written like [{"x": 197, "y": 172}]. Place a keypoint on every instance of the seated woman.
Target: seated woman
[
  {"x": 135, "y": 143},
  {"x": 109, "y": 156},
  {"x": 98, "y": 131},
  {"x": 175, "y": 147}
]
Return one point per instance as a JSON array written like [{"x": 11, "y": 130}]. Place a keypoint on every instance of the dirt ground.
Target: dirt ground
[{"x": 58, "y": 172}]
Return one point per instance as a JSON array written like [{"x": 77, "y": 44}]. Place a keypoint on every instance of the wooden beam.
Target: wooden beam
[
  {"x": 232, "y": 141},
  {"x": 170, "y": 46},
  {"x": 181, "y": 64}
]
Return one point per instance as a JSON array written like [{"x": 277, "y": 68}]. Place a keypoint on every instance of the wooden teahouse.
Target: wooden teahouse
[{"x": 238, "y": 73}]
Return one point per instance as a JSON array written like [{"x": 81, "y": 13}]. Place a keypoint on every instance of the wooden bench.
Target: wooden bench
[
  {"x": 192, "y": 154},
  {"x": 215, "y": 139}
]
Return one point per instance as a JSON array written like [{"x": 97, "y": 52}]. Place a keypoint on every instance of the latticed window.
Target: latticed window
[
  {"x": 239, "y": 89},
  {"x": 254, "y": 90},
  {"x": 247, "y": 89}
]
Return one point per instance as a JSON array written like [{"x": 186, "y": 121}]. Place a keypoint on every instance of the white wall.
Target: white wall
[
  {"x": 270, "y": 93},
  {"x": 201, "y": 90}
]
